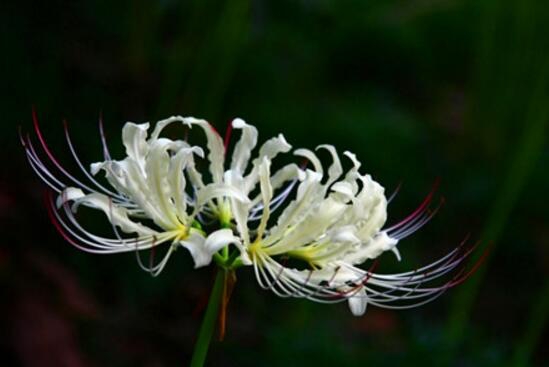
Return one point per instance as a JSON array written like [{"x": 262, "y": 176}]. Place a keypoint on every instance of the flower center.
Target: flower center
[{"x": 181, "y": 233}]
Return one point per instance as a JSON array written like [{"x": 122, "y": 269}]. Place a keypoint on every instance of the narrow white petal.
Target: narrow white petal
[
  {"x": 69, "y": 194},
  {"x": 370, "y": 208},
  {"x": 240, "y": 210},
  {"x": 311, "y": 156},
  {"x": 218, "y": 190},
  {"x": 320, "y": 216},
  {"x": 270, "y": 149},
  {"x": 157, "y": 166},
  {"x": 134, "y": 139},
  {"x": 141, "y": 193},
  {"x": 266, "y": 194},
  {"x": 160, "y": 125},
  {"x": 308, "y": 191},
  {"x": 114, "y": 174},
  {"x": 177, "y": 179},
  {"x": 352, "y": 157},
  {"x": 335, "y": 169},
  {"x": 216, "y": 147},
  {"x": 372, "y": 249},
  {"x": 220, "y": 239},
  {"x": 195, "y": 244},
  {"x": 202, "y": 249},
  {"x": 345, "y": 189},
  {"x": 244, "y": 147},
  {"x": 194, "y": 176},
  {"x": 287, "y": 173},
  {"x": 95, "y": 167},
  {"x": 117, "y": 215}
]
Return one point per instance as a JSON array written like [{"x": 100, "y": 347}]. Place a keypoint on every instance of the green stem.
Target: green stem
[{"x": 208, "y": 323}]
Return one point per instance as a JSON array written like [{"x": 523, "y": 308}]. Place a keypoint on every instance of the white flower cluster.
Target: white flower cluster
[{"x": 328, "y": 221}]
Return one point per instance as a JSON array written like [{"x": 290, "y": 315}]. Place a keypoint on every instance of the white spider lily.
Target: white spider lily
[
  {"x": 149, "y": 184},
  {"x": 231, "y": 201},
  {"x": 333, "y": 225}
]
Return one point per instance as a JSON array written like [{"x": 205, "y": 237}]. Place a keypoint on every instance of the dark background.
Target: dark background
[{"x": 418, "y": 89}]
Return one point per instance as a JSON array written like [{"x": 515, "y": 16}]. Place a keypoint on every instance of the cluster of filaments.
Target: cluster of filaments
[{"x": 308, "y": 230}]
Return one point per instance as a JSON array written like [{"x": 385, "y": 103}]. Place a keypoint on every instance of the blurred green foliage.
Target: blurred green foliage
[{"x": 417, "y": 89}]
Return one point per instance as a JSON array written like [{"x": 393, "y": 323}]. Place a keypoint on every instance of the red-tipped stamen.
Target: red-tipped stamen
[
  {"x": 419, "y": 209},
  {"x": 475, "y": 266},
  {"x": 50, "y": 207},
  {"x": 50, "y": 154},
  {"x": 419, "y": 221}
]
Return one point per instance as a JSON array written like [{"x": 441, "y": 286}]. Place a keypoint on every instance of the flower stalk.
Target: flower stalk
[
  {"x": 229, "y": 281},
  {"x": 208, "y": 322}
]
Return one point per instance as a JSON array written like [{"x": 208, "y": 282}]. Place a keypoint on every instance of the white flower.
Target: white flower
[
  {"x": 333, "y": 225},
  {"x": 148, "y": 185}
]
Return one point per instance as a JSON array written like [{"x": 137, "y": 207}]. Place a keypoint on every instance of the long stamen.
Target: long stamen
[
  {"x": 257, "y": 212},
  {"x": 417, "y": 293},
  {"x": 394, "y": 194},
  {"x": 38, "y": 165},
  {"x": 106, "y": 153},
  {"x": 417, "y": 222},
  {"x": 419, "y": 209},
  {"x": 51, "y": 156},
  {"x": 81, "y": 166}
]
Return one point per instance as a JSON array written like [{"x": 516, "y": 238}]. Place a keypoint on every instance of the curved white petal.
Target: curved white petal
[
  {"x": 239, "y": 209},
  {"x": 311, "y": 227},
  {"x": 113, "y": 173},
  {"x": 219, "y": 190},
  {"x": 202, "y": 249},
  {"x": 372, "y": 249},
  {"x": 266, "y": 194},
  {"x": 309, "y": 191},
  {"x": 352, "y": 157},
  {"x": 335, "y": 169},
  {"x": 244, "y": 147},
  {"x": 270, "y": 149},
  {"x": 69, "y": 194},
  {"x": 311, "y": 156},
  {"x": 177, "y": 179},
  {"x": 157, "y": 167},
  {"x": 140, "y": 191},
  {"x": 160, "y": 125},
  {"x": 134, "y": 138},
  {"x": 344, "y": 189},
  {"x": 370, "y": 208},
  {"x": 116, "y": 214},
  {"x": 287, "y": 173},
  {"x": 216, "y": 147}
]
